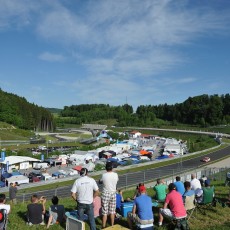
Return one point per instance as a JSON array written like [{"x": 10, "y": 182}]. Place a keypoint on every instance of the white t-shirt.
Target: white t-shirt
[
  {"x": 5, "y": 206},
  {"x": 84, "y": 187},
  {"x": 195, "y": 185},
  {"x": 109, "y": 180}
]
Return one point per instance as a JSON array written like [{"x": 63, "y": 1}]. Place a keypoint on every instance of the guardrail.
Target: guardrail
[
  {"x": 148, "y": 177},
  {"x": 125, "y": 181}
]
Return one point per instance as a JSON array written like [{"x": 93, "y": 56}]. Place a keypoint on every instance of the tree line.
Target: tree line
[
  {"x": 203, "y": 110},
  {"x": 19, "y": 112}
]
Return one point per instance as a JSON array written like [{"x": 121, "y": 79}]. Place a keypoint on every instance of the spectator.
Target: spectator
[
  {"x": 137, "y": 193},
  {"x": 56, "y": 212},
  {"x": 203, "y": 179},
  {"x": 142, "y": 209},
  {"x": 175, "y": 202},
  {"x": 3, "y": 204},
  {"x": 200, "y": 192},
  {"x": 108, "y": 198},
  {"x": 195, "y": 183},
  {"x": 179, "y": 186},
  {"x": 160, "y": 188},
  {"x": 12, "y": 193},
  {"x": 119, "y": 200},
  {"x": 188, "y": 190},
  {"x": 83, "y": 191},
  {"x": 5, "y": 210},
  {"x": 97, "y": 206},
  {"x": 36, "y": 210}
]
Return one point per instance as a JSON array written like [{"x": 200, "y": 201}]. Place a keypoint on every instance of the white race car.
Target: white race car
[{"x": 206, "y": 159}]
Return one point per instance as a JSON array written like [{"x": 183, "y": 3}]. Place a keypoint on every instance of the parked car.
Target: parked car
[
  {"x": 72, "y": 172},
  {"x": 206, "y": 159},
  {"x": 46, "y": 176},
  {"x": 114, "y": 161},
  {"x": 34, "y": 176},
  {"x": 129, "y": 161},
  {"x": 58, "y": 175}
]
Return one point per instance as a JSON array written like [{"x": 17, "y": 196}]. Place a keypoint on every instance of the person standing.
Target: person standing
[
  {"x": 12, "y": 193},
  {"x": 83, "y": 191},
  {"x": 108, "y": 197},
  {"x": 179, "y": 186}
]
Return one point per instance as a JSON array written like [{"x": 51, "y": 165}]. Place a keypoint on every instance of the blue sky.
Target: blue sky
[{"x": 144, "y": 52}]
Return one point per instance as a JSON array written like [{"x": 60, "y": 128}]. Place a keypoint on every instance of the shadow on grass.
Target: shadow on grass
[
  {"x": 22, "y": 215},
  {"x": 121, "y": 221}
]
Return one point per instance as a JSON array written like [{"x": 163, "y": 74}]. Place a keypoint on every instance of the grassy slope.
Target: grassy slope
[{"x": 218, "y": 218}]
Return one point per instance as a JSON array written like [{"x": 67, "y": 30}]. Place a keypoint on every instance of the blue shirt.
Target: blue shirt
[
  {"x": 180, "y": 187},
  {"x": 118, "y": 200},
  {"x": 188, "y": 193},
  {"x": 144, "y": 207}
]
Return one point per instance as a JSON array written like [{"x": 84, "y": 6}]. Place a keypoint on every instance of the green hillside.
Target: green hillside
[{"x": 17, "y": 111}]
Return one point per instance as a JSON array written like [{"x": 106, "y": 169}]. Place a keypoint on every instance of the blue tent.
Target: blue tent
[{"x": 6, "y": 175}]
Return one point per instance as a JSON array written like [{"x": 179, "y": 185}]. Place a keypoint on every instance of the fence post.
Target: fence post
[
  {"x": 126, "y": 181},
  {"x": 144, "y": 176},
  {"x": 23, "y": 197},
  {"x": 55, "y": 191}
]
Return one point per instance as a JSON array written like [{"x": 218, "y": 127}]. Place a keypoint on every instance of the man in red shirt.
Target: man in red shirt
[{"x": 176, "y": 209}]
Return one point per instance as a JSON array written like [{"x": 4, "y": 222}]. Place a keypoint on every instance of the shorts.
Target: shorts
[
  {"x": 135, "y": 218},
  {"x": 108, "y": 202},
  {"x": 168, "y": 214}
]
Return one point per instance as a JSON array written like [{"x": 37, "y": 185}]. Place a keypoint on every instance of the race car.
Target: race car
[{"x": 206, "y": 159}]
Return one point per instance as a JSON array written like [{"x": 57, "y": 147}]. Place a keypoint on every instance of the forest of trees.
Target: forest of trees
[
  {"x": 201, "y": 110},
  {"x": 19, "y": 112}
]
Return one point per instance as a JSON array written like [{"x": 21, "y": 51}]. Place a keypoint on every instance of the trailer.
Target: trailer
[
  {"x": 19, "y": 179},
  {"x": 41, "y": 165}
]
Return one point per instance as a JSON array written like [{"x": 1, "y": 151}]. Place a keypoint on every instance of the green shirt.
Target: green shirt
[{"x": 160, "y": 190}]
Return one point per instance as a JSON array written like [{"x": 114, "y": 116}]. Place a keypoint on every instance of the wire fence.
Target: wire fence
[{"x": 148, "y": 177}]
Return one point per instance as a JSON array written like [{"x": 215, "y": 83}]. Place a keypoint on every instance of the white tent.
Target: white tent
[
  {"x": 21, "y": 162},
  {"x": 18, "y": 159}
]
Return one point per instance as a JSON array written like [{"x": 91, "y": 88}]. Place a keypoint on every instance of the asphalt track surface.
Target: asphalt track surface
[
  {"x": 173, "y": 169},
  {"x": 147, "y": 176},
  {"x": 196, "y": 162}
]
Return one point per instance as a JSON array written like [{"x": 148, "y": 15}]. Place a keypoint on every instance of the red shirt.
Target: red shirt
[{"x": 175, "y": 202}]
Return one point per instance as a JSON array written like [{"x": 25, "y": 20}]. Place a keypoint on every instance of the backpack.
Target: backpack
[{"x": 3, "y": 219}]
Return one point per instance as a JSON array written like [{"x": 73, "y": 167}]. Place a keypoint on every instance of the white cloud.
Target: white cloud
[
  {"x": 186, "y": 80},
  {"x": 123, "y": 46},
  {"x": 16, "y": 13},
  {"x": 47, "y": 56}
]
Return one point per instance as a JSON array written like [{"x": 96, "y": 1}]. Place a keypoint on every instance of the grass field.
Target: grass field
[{"x": 218, "y": 218}]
